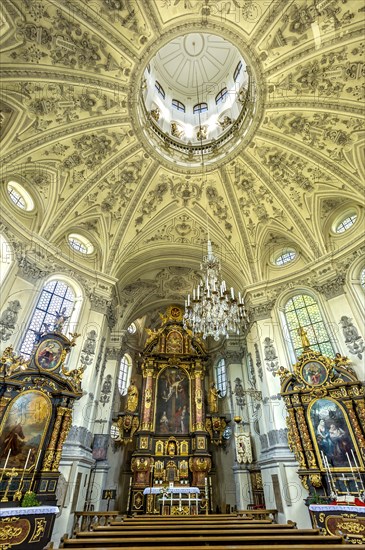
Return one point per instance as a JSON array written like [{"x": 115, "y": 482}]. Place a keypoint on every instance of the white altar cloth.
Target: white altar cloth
[
  {"x": 5, "y": 512},
  {"x": 335, "y": 507}
]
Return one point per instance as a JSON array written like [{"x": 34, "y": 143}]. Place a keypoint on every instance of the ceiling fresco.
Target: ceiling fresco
[{"x": 71, "y": 78}]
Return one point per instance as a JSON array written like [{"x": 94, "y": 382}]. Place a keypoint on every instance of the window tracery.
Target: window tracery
[
  {"x": 56, "y": 297},
  {"x": 302, "y": 311},
  {"x": 125, "y": 369}
]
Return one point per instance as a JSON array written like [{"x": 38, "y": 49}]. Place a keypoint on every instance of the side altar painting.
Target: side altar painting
[
  {"x": 333, "y": 433},
  {"x": 36, "y": 401}
]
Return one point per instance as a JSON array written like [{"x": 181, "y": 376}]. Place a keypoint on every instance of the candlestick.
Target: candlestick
[
  {"x": 327, "y": 474},
  {"x": 353, "y": 475},
  {"x": 34, "y": 472},
  {"x": 18, "y": 493},
  {"x": 6, "y": 463},
  {"x": 358, "y": 470},
  {"x": 10, "y": 475}
]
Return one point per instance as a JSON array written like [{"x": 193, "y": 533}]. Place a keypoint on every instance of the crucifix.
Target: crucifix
[{"x": 11, "y": 474}]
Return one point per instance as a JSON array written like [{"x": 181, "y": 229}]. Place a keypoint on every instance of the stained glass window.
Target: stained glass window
[
  {"x": 125, "y": 366},
  {"x": 55, "y": 297},
  {"x": 303, "y": 311},
  {"x": 221, "y": 377}
]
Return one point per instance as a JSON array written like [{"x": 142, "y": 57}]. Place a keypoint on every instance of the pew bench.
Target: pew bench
[
  {"x": 183, "y": 526},
  {"x": 198, "y": 534},
  {"x": 187, "y": 541}
]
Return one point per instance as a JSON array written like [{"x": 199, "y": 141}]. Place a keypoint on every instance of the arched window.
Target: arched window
[
  {"x": 6, "y": 257},
  {"x": 346, "y": 223},
  {"x": 178, "y": 105},
  {"x": 19, "y": 196},
  {"x": 221, "y": 96},
  {"x": 55, "y": 297},
  {"x": 237, "y": 71},
  {"x": 125, "y": 369},
  {"x": 160, "y": 89},
  {"x": 302, "y": 311},
  {"x": 221, "y": 377},
  {"x": 200, "y": 108}
]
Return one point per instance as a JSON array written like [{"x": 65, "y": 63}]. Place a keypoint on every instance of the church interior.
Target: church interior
[{"x": 182, "y": 262}]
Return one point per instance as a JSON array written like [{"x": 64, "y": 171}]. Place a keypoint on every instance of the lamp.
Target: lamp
[{"x": 212, "y": 310}]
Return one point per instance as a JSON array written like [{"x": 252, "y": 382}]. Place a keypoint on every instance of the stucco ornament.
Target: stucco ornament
[
  {"x": 243, "y": 448},
  {"x": 8, "y": 320},
  {"x": 353, "y": 339}
]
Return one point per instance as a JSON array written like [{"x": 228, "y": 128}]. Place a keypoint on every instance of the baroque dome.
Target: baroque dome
[{"x": 76, "y": 137}]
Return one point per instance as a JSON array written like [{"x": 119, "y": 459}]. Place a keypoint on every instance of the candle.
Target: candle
[
  {"x": 7, "y": 459},
  {"x": 353, "y": 474},
  {"x": 232, "y": 292},
  {"x": 26, "y": 462},
  {"x": 358, "y": 470}
]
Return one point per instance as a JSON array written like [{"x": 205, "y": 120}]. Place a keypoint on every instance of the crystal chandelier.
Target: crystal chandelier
[{"x": 213, "y": 310}]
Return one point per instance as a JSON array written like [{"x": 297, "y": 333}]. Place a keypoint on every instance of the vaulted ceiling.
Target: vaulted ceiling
[{"x": 71, "y": 135}]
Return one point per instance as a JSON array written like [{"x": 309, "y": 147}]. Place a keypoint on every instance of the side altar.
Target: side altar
[
  {"x": 325, "y": 403},
  {"x": 174, "y": 422},
  {"x": 36, "y": 401}
]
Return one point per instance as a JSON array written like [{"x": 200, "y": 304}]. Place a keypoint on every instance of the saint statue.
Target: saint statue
[
  {"x": 132, "y": 397},
  {"x": 213, "y": 398},
  {"x": 303, "y": 335}
]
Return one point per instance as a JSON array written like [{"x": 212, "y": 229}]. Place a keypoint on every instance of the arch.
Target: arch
[
  {"x": 355, "y": 283},
  {"x": 58, "y": 293},
  {"x": 302, "y": 308}
]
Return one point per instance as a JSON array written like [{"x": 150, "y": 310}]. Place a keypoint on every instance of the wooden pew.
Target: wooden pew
[
  {"x": 287, "y": 540},
  {"x": 337, "y": 544},
  {"x": 198, "y": 533},
  {"x": 183, "y": 526}
]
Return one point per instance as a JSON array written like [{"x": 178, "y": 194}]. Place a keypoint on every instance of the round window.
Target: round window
[
  {"x": 80, "y": 244},
  {"x": 19, "y": 196}
]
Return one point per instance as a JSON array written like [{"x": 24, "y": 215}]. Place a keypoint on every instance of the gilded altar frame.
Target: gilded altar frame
[{"x": 325, "y": 406}]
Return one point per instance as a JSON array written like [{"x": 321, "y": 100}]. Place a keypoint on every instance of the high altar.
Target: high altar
[{"x": 171, "y": 427}]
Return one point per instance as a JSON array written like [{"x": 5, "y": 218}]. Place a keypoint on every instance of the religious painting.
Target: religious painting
[
  {"x": 174, "y": 342},
  {"x": 100, "y": 446},
  {"x": 48, "y": 355},
  {"x": 314, "y": 373},
  {"x": 172, "y": 408},
  {"x": 333, "y": 434},
  {"x": 23, "y": 429}
]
